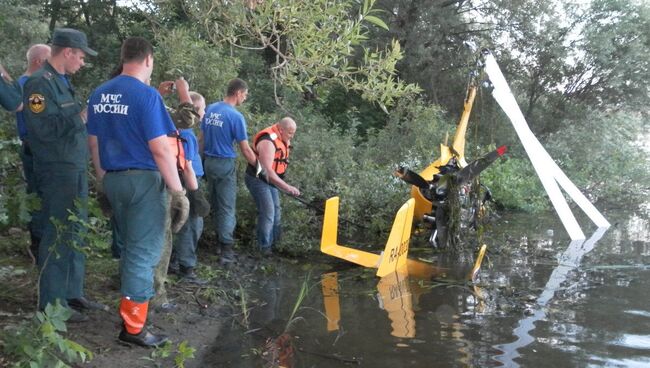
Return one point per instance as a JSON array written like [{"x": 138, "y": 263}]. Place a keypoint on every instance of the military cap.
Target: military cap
[
  {"x": 68, "y": 37},
  {"x": 184, "y": 116}
]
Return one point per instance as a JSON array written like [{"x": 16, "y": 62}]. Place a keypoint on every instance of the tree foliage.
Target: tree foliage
[
  {"x": 611, "y": 66},
  {"x": 576, "y": 68},
  {"x": 308, "y": 43}
]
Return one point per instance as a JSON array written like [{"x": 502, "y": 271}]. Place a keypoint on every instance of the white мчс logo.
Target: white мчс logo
[{"x": 110, "y": 104}]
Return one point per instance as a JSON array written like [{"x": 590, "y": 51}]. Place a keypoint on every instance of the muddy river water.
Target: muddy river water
[{"x": 540, "y": 301}]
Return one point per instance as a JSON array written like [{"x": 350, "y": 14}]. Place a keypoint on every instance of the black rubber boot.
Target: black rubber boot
[
  {"x": 77, "y": 317},
  {"x": 189, "y": 275},
  {"x": 227, "y": 255},
  {"x": 83, "y": 303},
  {"x": 144, "y": 338}
]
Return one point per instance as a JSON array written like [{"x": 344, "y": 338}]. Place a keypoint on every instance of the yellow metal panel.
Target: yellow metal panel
[
  {"x": 329, "y": 236},
  {"x": 459, "y": 138},
  {"x": 397, "y": 246},
  {"x": 396, "y": 249},
  {"x": 330, "y": 224}
]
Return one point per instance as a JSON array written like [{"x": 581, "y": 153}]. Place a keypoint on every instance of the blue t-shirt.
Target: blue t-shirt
[
  {"x": 20, "y": 117},
  {"x": 222, "y": 126},
  {"x": 125, "y": 114},
  {"x": 191, "y": 147}
]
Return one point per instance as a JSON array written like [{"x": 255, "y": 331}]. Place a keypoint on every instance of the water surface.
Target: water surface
[{"x": 540, "y": 301}]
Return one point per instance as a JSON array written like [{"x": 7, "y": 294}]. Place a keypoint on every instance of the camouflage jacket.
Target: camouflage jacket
[{"x": 184, "y": 116}]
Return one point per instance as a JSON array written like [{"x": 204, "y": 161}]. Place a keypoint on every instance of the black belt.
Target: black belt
[{"x": 123, "y": 170}]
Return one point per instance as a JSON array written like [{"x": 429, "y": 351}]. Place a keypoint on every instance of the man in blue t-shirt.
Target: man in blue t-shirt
[
  {"x": 127, "y": 135},
  {"x": 37, "y": 55},
  {"x": 222, "y": 127}
]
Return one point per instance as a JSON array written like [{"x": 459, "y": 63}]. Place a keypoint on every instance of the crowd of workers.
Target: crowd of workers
[{"x": 149, "y": 166}]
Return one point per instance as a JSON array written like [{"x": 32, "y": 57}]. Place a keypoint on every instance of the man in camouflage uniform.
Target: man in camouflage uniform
[
  {"x": 57, "y": 133},
  {"x": 10, "y": 95}
]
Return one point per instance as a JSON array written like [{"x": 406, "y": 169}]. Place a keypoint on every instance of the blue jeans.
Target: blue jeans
[
  {"x": 139, "y": 202},
  {"x": 185, "y": 242},
  {"x": 269, "y": 212},
  {"x": 222, "y": 189}
]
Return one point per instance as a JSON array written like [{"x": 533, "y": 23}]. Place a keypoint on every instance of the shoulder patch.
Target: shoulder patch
[
  {"x": 36, "y": 103},
  {"x": 273, "y": 136},
  {"x": 47, "y": 75}
]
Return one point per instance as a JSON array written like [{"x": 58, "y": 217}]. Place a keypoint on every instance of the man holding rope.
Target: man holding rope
[{"x": 272, "y": 146}]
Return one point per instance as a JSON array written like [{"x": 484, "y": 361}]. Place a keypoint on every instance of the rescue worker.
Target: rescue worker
[
  {"x": 183, "y": 116},
  {"x": 57, "y": 138},
  {"x": 183, "y": 261},
  {"x": 221, "y": 127},
  {"x": 37, "y": 55},
  {"x": 272, "y": 146},
  {"x": 10, "y": 93},
  {"x": 128, "y": 127}
]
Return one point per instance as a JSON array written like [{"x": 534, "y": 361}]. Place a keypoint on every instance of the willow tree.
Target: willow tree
[{"x": 310, "y": 43}]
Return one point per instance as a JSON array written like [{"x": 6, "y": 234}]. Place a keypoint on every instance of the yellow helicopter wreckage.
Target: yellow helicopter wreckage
[{"x": 429, "y": 190}]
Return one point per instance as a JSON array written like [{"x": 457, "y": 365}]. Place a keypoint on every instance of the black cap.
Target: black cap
[{"x": 68, "y": 37}]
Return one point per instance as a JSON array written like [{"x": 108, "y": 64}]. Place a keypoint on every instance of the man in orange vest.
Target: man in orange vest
[{"x": 272, "y": 146}]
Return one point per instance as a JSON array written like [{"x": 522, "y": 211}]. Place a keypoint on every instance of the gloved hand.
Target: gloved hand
[
  {"x": 179, "y": 209},
  {"x": 198, "y": 204}
]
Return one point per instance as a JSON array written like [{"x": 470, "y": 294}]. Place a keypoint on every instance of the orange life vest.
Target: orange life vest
[
  {"x": 281, "y": 157},
  {"x": 176, "y": 144}
]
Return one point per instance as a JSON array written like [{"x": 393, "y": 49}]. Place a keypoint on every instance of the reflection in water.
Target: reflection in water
[
  {"x": 394, "y": 295},
  {"x": 579, "y": 317},
  {"x": 634, "y": 341},
  {"x": 569, "y": 260},
  {"x": 399, "y": 293},
  {"x": 279, "y": 352},
  {"x": 330, "y": 289}
]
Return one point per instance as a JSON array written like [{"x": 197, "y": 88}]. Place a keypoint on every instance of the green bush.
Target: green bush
[
  {"x": 39, "y": 342},
  {"x": 515, "y": 185},
  {"x": 328, "y": 162},
  {"x": 599, "y": 155}
]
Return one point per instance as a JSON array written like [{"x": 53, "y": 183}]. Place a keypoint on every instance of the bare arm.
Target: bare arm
[
  {"x": 183, "y": 89},
  {"x": 93, "y": 146},
  {"x": 266, "y": 151},
  {"x": 166, "y": 162},
  {"x": 189, "y": 177},
  {"x": 247, "y": 152}
]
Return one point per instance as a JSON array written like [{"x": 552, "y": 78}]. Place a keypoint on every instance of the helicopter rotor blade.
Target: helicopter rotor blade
[
  {"x": 411, "y": 177},
  {"x": 475, "y": 167}
]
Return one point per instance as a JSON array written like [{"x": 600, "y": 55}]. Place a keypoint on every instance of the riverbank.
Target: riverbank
[{"x": 195, "y": 325}]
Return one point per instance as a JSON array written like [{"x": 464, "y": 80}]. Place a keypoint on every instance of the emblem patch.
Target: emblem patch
[{"x": 36, "y": 103}]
